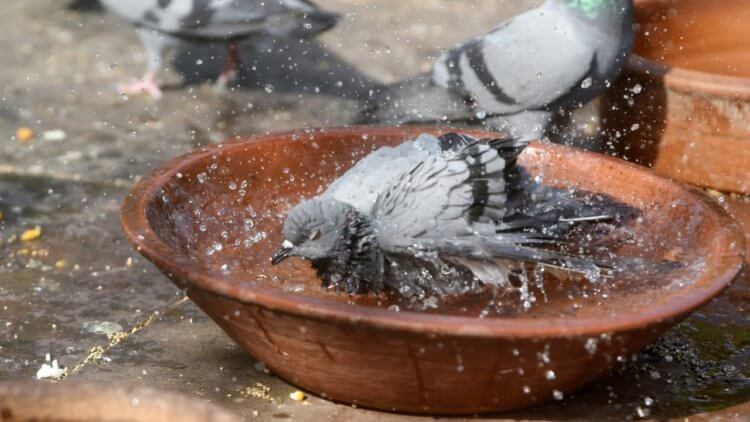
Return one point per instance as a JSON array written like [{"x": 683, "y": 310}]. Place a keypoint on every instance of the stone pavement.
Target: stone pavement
[{"x": 81, "y": 294}]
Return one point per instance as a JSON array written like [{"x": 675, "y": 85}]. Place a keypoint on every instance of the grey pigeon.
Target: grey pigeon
[
  {"x": 547, "y": 60},
  {"x": 439, "y": 214},
  {"x": 167, "y": 24}
]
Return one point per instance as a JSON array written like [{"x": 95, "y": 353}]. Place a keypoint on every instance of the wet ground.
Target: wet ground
[{"x": 81, "y": 294}]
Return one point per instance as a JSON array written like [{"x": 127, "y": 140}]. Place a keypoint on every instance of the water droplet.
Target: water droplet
[
  {"x": 213, "y": 248},
  {"x": 550, "y": 375},
  {"x": 557, "y": 394},
  {"x": 586, "y": 83},
  {"x": 268, "y": 88},
  {"x": 637, "y": 89},
  {"x": 394, "y": 308},
  {"x": 481, "y": 114},
  {"x": 641, "y": 412},
  {"x": 648, "y": 401},
  {"x": 526, "y": 389},
  {"x": 202, "y": 227},
  {"x": 202, "y": 177},
  {"x": 591, "y": 345},
  {"x": 635, "y": 127},
  {"x": 179, "y": 175},
  {"x": 543, "y": 357},
  {"x": 307, "y": 25},
  {"x": 232, "y": 185}
]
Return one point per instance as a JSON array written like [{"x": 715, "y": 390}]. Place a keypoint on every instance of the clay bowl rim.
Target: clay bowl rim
[
  {"x": 140, "y": 233},
  {"x": 688, "y": 80}
]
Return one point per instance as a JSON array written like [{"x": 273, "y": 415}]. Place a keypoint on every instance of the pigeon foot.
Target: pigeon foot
[{"x": 147, "y": 84}]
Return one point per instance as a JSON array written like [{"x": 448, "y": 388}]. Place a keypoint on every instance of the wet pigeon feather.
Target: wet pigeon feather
[{"x": 452, "y": 200}]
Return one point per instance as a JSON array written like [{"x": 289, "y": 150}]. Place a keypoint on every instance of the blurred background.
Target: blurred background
[
  {"x": 63, "y": 61},
  {"x": 71, "y": 146}
]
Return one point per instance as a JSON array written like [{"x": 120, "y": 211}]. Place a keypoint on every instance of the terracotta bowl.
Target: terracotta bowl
[
  {"x": 210, "y": 220},
  {"x": 74, "y": 401},
  {"x": 683, "y": 103}
]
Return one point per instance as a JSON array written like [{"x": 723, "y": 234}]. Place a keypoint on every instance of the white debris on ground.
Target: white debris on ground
[
  {"x": 54, "y": 135},
  {"x": 107, "y": 328},
  {"x": 50, "y": 369}
]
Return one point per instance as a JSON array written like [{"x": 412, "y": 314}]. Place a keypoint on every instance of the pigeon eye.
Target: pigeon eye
[{"x": 315, "y": 235}]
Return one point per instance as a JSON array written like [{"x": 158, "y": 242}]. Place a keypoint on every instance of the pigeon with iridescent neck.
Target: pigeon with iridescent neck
[{"x": 548, "y": 60}]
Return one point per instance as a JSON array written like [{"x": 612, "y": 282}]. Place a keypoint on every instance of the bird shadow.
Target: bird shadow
[
  {"x": 277, "y": 65},
  {"x": 86, "y": 6}
]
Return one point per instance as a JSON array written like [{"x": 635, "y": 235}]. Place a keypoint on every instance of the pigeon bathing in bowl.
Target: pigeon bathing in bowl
[
  {"x": 441, "y": 214},
  {"x": 167, "y": 24},
  {"x": 549, "y": 60}
]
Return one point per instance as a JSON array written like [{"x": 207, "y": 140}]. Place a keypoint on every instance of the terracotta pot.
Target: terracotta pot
[
  {"x": 353, "y": 349},
  {"x": 683, "y": 103},
  {"x": 75, "y": 401}
]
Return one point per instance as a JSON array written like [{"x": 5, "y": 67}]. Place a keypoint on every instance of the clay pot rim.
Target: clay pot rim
[
  {"x": 688, "y": 80},
  {"x": 141, "y": 235}
]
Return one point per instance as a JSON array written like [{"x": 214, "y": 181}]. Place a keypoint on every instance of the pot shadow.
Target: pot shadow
[
  {"x": 85, "y": 6},
  {"x": 277, "y": 64}
]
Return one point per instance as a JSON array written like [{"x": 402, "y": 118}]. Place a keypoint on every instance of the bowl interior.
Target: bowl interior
[
  {"x": 704, "y": 35},
  {"x": 219, "y": 212}
]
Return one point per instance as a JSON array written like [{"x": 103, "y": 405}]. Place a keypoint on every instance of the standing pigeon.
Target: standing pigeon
[
  {"x": 548, "y": 60},
  {"x": 437, "y": 214},
  {"x": 167, "y": 24}
]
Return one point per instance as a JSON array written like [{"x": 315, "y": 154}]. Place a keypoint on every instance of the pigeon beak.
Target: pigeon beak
[{"x": 283, "y": 253}]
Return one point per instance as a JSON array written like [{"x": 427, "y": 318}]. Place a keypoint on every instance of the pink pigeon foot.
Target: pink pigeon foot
[
  {"x": 146, "y": 84},
  {"x": 231, "y": 68},
  {"x": 225, "y": 78}
]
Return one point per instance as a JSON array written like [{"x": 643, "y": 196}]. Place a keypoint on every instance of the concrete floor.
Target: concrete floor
[{"x": 83, "y": 295}]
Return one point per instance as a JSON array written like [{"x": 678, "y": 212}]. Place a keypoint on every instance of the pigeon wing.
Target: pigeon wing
[
  {"x": 528, "y": 62},
  {"x": 457, "y": 190},
  {"x": 361, "y": 185},
  {"x": 455, "y": 205}
]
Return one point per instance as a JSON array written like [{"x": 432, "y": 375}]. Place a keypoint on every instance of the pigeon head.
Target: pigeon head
[
  {"x": 339, "y": 241},
  {"x": 314, "y": 229}
]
